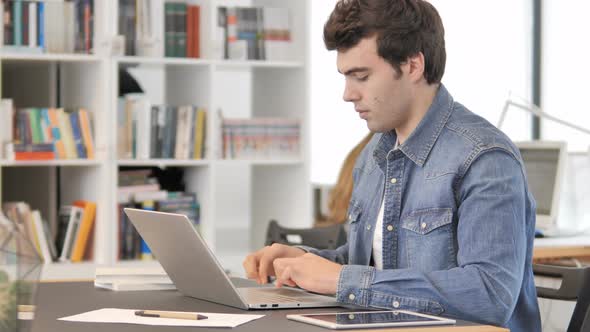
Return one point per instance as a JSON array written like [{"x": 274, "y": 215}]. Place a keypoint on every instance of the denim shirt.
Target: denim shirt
[{"x": 458, "y": 224}]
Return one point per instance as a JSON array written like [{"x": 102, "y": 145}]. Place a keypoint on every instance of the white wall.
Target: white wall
[{"x": 565, "y": 70}]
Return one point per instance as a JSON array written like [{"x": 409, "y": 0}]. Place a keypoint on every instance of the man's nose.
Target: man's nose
[{"x": 350, "y": 94}]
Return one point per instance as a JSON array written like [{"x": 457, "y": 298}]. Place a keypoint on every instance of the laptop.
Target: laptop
[
  {"x": 195, "y": 271},
  {"x": 545, "y": 164}
]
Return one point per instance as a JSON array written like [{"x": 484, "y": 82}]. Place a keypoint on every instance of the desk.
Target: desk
[
  {"x": 562, "y": 248},
  {"x": 56, "y": 300}
]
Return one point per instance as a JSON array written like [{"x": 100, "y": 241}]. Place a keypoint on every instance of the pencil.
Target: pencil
[{"x": 170, "y": 314}]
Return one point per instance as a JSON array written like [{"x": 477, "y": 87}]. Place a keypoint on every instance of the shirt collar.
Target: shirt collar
[{"x": 420, "y": 142}]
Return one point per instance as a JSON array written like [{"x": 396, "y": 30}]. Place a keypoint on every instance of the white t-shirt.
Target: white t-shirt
[
  {"x": 378, "y": 235},
  {"x": 378, "y": 239}
]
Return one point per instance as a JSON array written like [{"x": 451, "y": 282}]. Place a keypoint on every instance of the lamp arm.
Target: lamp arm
[
  {"x": 504, "y": 111},
  {"x": 536, "y": 111}
]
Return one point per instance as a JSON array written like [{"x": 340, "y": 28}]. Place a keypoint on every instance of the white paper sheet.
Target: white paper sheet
[{"x": 111, "y": 315}]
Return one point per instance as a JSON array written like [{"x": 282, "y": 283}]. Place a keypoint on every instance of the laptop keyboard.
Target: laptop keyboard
[{"x": 276, "y": 295}]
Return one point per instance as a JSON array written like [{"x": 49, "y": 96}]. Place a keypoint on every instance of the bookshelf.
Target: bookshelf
[{"x": 237, "y": 197}]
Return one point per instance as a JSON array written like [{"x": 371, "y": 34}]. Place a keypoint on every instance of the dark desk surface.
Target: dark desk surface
[{"x": 56, "y": 300}]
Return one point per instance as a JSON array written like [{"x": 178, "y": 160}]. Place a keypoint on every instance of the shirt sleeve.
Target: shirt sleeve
[{"x": 492, "y": 249}]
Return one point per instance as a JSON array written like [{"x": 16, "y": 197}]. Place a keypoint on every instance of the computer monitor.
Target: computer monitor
[{"x": 544, "y": 164}]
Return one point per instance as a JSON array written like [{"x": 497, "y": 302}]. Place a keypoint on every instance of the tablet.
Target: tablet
[{"x": 370, "y": 319}]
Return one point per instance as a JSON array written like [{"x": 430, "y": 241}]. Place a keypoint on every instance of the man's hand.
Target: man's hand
[
  {"x": 310, "y": 272},
  {"x": 259, "y": 265}
]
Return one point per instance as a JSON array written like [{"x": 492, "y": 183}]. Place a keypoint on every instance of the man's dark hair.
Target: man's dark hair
[{"x": 403, "y": 29}]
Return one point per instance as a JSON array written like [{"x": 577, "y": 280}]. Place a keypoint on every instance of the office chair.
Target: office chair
[
  {"x": 575, "y": 286},
  {"x": 329, "y": 237}
]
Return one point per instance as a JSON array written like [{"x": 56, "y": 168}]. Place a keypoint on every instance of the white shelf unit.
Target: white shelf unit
[
  {"x": 71, "y": 82},
  {"x": 237, "y": 197},
  {"x": 50, "y": 163},
  {"x": 49, "y": 57}
]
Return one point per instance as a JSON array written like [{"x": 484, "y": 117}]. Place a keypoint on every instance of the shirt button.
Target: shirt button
[
  {"x": 350, "y": 217},
  {"x": 395, "y": 304},
  {"x": 423, "y": 225},
  {"x": 390, "y": 228},
  {"x": 393, "y": 180},
  {"x": 368, "y": 227},
  {"x": 351, "y": 297}
]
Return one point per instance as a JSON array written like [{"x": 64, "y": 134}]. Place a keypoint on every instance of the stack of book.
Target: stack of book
[
  {"x": 261, "y": 138},
  {"x": 182, "y": 30},
  {"x": 254, "y": 33},
  {"x": 46, "y": 133},
  {"x": 137, "y": 189},
  {"x": 150, "y": 131},
  {"x": 132, "y": 279},
  {"x": 73, "y": 239},
  {"x": 32, "y": 27}
]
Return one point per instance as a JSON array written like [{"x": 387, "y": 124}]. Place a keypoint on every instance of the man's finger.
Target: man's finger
[
  {"x": 281, "y": 266},
  {"x": 265, "y": 268},
  {"x": 251, "y": 266},
  {"x": 285, "y": 278}
]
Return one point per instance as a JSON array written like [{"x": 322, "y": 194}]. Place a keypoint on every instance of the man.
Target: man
[{"x": 441, "y": 220}]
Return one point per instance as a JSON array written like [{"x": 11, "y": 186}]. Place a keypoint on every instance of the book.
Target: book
[
  {"x": 18, "y": 23},
  {"x": 190, "y": 38},
  {"x": 50, "y": 240},
  {"x": 6, "y": 125},
  {"x": 142, "y": 114},
  {"x": 25, "y": 23},
  {"x": 5, "y": 20},
  {"x": 41, "y": 25},
  {"x": 86, "y": 127},
  {"x": 153, "y": 148},
  {"x": 32, "y": 24},
  {"x": 77, "y": 134},
  {"x": 41, "y": 237},
  {"x": 41, "y": 151},
  {"x": 221, "y": 34},
  {"x": 133, "y": 286},
  {"x": 132, "y": 279},
  {"x": 180, "y": 30},
  {"x": 146, "y": 252},
  {"x": 63, "y": 220},
  {"x": 75, "y": 215},
  {"x": 127, "y": 25},
  {"x": 58, "y": 141},
  {"x": 154, "y": 274},
  {"x": 196, "y": 31},
  {"x": 199, "y": 135},
  {"x": 67, "y": 136},
  {"x": 169, "y": 29},
  {"x": 84, "y": 229}
]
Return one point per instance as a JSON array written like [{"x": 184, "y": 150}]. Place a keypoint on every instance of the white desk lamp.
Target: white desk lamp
[{"x": 534, "y": 109}]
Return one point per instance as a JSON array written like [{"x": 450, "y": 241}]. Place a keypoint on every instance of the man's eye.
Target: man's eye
[{"x": 363, "y": 78}]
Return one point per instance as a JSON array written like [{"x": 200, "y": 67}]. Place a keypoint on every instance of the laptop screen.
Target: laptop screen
[{"x": 541, "y": 165}]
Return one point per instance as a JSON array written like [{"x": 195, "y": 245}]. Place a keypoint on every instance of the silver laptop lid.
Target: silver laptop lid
[
  {"x": 186, "y": 258},
  {"x": 544, "y": 164}
]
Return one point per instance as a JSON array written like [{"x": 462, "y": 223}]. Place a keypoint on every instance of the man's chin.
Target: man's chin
[{"x": 376, "y": 129}]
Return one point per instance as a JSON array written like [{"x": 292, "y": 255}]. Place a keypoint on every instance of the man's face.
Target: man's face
[{"x": 380, "y": 94}]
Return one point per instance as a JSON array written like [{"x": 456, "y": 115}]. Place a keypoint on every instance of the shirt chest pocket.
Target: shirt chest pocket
[{"x": 428, "y": 239}]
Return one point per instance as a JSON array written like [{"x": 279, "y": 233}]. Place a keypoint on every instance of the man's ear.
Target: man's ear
[{"x": 415, "y": 65}]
